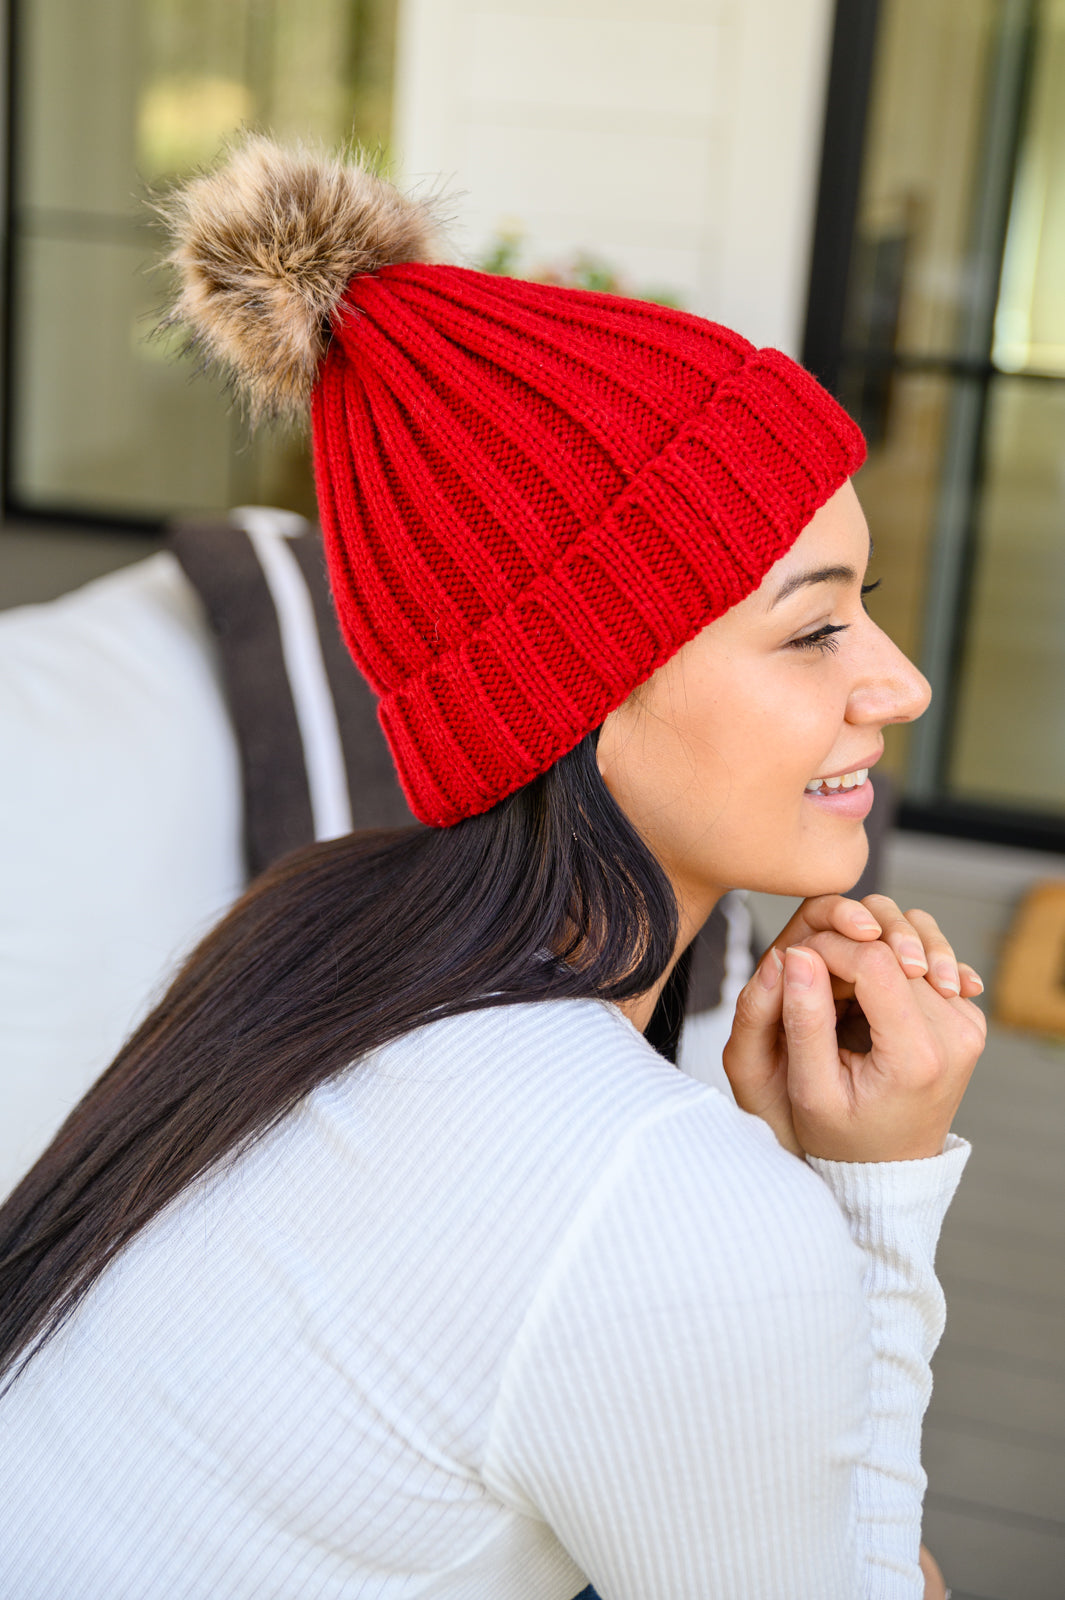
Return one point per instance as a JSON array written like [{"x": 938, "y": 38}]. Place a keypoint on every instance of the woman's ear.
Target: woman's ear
[
  {"x": 603, "y": 737},
  {"x": 612, "y": 731},
  {"x": 615, "y": 729}
]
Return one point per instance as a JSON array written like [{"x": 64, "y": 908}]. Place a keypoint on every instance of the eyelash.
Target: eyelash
[{"x": 822, "y": 639}]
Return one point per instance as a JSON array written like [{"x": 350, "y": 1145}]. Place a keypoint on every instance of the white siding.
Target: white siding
[{"x": 679, "y": 141}]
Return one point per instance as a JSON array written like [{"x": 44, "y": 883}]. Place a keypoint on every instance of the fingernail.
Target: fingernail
[
  {"x": 798, "y": 968},
  {"x": 974, "y": 977},
  {"x": 946, "y": 977},
  {"x": 867, "y": 925},
  {"x": 770, "y": 969},
  {"x": 912, "y": 955}
]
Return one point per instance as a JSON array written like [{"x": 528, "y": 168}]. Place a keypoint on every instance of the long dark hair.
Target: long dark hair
[{"x": 333, "y": 952}]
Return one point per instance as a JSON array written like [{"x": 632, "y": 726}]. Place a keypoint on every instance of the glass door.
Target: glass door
[
  {"x": 1007, "y": 742},
  {"x": 952, "y": 355}
]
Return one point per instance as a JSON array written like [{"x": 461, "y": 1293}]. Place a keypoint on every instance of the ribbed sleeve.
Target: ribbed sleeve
[
  {"x": 895, "y": 1211},
  {"x": 714, "y": 1393}
]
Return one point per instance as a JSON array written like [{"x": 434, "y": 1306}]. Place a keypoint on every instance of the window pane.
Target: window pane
[
  {"x": 1009, "y": 743},
  {"x": 899, "y": 487},
  {"x": 104, "y": 421},
  {"x": 1030, "y": 321},
  {"x": 910, "y": 264},
  {"x": 74, "y": 149}
]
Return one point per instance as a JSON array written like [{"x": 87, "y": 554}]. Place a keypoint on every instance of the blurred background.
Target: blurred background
[
  {"x": 875, "y": 186},
  {"x": 878, "y": 188}
]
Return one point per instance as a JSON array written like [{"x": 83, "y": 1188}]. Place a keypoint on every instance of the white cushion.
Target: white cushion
[{"x": 120, "y": 829}]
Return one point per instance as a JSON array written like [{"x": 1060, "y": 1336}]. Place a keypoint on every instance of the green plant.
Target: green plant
[{"x": 584, "y": 270}]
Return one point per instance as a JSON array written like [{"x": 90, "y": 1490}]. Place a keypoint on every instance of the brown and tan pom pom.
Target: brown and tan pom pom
[{"x": 264, "y": 248}]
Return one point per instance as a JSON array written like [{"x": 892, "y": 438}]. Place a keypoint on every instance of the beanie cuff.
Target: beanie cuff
[{"x": 693, "y": 533}]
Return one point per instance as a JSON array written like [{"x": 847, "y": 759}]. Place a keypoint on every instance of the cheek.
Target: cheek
[
  {"x": 730, "y": 744},
  {"x": 773, "y": 734},
  {"x": 730, "y": 774},
  {"x": 665, "y": 761}
]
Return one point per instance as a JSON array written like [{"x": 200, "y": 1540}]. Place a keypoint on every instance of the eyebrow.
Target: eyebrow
[{"x": 802, "y": 580}]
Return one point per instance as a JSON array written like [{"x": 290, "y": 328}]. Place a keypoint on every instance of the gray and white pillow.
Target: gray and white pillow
[{"x": 313, "y": 757}]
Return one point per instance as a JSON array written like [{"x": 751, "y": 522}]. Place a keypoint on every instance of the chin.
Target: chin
[
  {"x": 839, "y": 875},
  {"x": 822, "y": 872}
]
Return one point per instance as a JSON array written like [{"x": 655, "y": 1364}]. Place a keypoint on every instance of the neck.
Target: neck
[{"x": 694, "y": 910}]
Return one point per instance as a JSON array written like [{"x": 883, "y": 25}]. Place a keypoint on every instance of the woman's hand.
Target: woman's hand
[
  {"x": 934, "y": 1587},
  {"x": 922, "y": 949},
  {"x": 863, "y": 1049}
]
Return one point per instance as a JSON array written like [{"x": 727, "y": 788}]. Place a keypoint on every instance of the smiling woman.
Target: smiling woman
[{"x": 389, "y": 1257}]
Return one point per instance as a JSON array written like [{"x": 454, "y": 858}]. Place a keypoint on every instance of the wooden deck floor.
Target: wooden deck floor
[
  {"x": 994, "y": 1443},
  {"x": 995, "y": 1434}
]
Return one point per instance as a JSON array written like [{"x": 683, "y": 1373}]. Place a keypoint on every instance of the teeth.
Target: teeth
[{"x": 849, "y": 780}]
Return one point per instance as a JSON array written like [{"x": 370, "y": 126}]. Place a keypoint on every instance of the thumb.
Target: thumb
[
  {"x": 809, "y": 1013},
  {"x": 756, "y": 1022},
  {"x": 753, "y": 1060}
]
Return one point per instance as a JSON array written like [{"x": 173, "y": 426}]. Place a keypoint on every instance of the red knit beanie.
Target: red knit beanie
[{"x": 532, "y": 496}]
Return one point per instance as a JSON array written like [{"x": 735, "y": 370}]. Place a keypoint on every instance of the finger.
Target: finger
[
  {"x": 897, "y": 1007},
  {"x": 943, "y": 971},
  {"x": 916, "y": 1036},
  {"x": 757, "y": 1020},
  {"x": 890, "y": 1000},
  {"x": 972, "y": 1013},
  {"x": 900, "y": 935},
  {"x": 809, "y": 1016},
  {"x": 752, "y": 1058},
  {"x": 823, "y": 912},
  {"x": 942, "y": 968},
  {"x": 971, "y": 981}
]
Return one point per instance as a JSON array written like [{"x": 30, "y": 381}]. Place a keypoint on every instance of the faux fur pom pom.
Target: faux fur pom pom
[{"x": 264, "y": 248}]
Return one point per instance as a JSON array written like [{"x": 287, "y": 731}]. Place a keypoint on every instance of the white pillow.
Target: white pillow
[{"x": 120, "y": 829}]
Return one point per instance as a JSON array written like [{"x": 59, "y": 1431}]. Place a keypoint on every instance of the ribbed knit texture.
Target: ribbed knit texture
[
  {"x": 510, "y": 1306},
  {"x": 533, "y": 496}
]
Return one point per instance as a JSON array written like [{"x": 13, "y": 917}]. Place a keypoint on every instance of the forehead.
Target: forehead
[
  {"x": 836, "y": 539},
  {"x": 835, "y": 546}
]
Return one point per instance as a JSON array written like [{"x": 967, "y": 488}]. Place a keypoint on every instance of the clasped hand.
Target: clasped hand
[{"x": 857, "y": 1035}]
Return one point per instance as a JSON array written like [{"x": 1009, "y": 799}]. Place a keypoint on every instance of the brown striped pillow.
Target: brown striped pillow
[{"x": 313, "y": 758}]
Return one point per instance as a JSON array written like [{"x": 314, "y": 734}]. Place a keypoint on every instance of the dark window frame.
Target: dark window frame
[{"x": 843, "y": 148}]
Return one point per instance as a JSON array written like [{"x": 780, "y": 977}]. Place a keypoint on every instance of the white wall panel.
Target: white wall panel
[
  {"x": 678, "y": 140},
  {"x": 665, "y": 69},
  {"x": 616, "y": 179},
  {"x": 773, "y": 113}
]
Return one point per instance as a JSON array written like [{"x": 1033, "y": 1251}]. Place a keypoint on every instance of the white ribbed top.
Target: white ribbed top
[{"x": 509, "y": 1307}]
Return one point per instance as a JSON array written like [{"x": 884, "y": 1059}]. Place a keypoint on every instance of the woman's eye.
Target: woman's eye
[{"x": 822, "y": 639}]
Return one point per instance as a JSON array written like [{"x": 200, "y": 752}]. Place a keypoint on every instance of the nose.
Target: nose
[{"x": 888, "y": 687}]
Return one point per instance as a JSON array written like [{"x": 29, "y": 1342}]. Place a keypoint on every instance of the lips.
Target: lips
[{"x": 854, "y": 803}]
